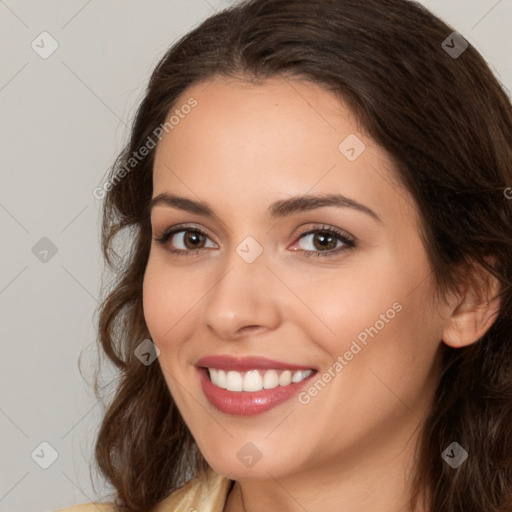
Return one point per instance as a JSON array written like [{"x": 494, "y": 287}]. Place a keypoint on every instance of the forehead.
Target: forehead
[
  {"x": 279, "y": 137},
  {"x": 259, "y": 121}
]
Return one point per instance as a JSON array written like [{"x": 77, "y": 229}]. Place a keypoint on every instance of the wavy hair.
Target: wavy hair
[{"x": 446, "y": 122}]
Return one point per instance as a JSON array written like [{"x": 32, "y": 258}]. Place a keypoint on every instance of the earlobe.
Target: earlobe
[{"x": 475, "y": 313}]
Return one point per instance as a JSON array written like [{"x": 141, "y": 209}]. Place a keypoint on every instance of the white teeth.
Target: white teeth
[
  {"x": 255, "y": 380},
  {"x": 221, "y": 379},
  {"x": 270, "y": 379},
  {"x": 297, "y": 376},
  {"x": 301, "y": 375},
  {"x": 285, "y": 378},
  {"x": 234, "y": 381}
]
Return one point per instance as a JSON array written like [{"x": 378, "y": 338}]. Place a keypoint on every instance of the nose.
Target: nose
[{"x": 244, "y": 300}]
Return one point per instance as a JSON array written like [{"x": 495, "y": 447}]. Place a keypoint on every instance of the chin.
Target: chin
[{"x": 247, "y": 464}]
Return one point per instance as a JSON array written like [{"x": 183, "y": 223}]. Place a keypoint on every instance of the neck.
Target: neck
[{"x": 359, "y": 480}]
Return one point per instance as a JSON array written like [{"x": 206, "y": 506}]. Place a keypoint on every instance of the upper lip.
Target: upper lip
[{"x": 241, "y": 364}]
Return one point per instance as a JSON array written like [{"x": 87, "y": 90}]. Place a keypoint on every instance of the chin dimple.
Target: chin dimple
[{"x": 255, "y": 380}]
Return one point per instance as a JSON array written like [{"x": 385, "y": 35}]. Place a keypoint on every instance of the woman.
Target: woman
[{"x": 315, "y": 312}]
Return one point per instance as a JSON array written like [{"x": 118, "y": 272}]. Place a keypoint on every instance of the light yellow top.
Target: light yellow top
[{"x": 204, "y": 493}]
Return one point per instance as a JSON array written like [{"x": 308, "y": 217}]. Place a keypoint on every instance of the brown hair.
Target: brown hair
[{"x": 447, "y": 124}]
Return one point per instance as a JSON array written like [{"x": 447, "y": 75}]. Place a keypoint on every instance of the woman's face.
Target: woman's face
[{"x": 263, "y": 279}]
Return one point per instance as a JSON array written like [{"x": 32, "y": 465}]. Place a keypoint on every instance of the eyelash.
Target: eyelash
[{"x": 343, "y": 237}]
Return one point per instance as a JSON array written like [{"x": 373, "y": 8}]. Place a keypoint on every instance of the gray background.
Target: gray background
[{"x": 64, "y": 120}]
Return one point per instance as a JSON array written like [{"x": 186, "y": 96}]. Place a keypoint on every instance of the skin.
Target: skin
[{"x": 351, "y": 447}]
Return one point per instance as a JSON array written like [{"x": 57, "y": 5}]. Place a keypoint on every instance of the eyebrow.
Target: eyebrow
[{"x": 279, "y": 209}]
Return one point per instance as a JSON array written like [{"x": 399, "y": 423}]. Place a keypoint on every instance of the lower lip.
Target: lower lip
[{"x": 248, "y": 403}]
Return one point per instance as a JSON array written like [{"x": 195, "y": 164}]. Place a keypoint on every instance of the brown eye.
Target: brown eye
[
  {"x": 184, "y": 241},
  {"x": 192, "y": 240},
  {"x": 325, "y": 241}
]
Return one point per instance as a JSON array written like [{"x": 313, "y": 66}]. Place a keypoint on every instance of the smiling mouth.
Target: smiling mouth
[{"x": 255, "y": 380}]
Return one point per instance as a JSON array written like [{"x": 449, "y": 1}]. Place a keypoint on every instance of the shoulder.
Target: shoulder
[
  {"x": 89, "y": 507},
  {"x": 207, "y": 491}
]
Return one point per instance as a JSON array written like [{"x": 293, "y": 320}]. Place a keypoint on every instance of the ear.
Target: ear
[{"x": 474, "y": 310}]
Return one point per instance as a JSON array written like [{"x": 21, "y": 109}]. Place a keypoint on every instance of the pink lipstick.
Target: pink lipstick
[{"x": 246, "y": 386}]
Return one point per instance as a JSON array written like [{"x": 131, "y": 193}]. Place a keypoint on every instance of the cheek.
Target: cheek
[
  {"x": 343, "y": 303},
  {"x": 385, "y": 306},
  {"x": 168, "y": 312},
  {"x": 169, "y": 296}
]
